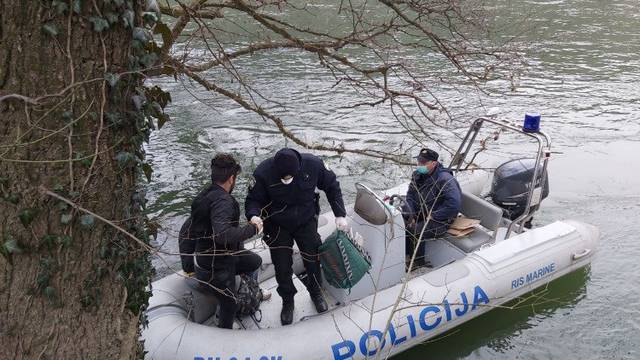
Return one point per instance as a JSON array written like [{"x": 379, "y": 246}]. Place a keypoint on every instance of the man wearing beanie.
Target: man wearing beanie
[
  {"x": 284, "y": 197},
  {"x": 433, "y": 202}
]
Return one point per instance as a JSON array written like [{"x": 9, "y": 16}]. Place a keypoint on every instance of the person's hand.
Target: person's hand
[
  {"x": 341, "y": 224},
  {"x": 257, "y": 222}
]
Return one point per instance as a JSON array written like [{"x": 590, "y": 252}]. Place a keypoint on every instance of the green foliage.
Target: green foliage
[
  {"x": 9, "y": 247},
  {"x": 13, "y": 198},
  {"x": 26, "y": 216},
  {"x": 112, "y": 79},
  {"x": 50, "y": 29},
  {"x": 149, "y": 18},
  {"x": 77, "y": 6},
  {"x": 112, "y": 18},
  {"x": 163, "y": 29},
  {"x": 87, "y": 221},
  {"x": 47, "y": 269},
  {"x": 64, "y": 240},
  {"x": 49, "y": 241},
  {"x": 99, "y": 24},
  {"x": 65, "y": 219},
  {"x": 61, "y": 7},
  {"x": 127, "y": 18},
  {"x": 124, "y": 159},
  {"x": 144, "y": 105},
  {"x": 148, "y": 171}
]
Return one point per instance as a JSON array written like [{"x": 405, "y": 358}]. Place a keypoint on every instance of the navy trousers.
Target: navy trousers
[{"x": 280, "y": 241}]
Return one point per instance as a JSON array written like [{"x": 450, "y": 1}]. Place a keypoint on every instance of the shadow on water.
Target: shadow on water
[{"x": 497, "y": 328}]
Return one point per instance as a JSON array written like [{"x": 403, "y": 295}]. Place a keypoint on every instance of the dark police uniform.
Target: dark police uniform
[
  {"x": 436, "y": 196},
  {"x": 290, "y": 212},
  {"x": 219, "y": 246}
]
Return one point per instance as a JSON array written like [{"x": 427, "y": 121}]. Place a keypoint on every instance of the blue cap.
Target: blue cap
[{"x": 531, "y": 122}]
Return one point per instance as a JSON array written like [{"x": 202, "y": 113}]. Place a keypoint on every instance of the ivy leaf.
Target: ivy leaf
[
  {"x": 26, "y": 216},
  {"x": 162, "y": 29},
  {"x": 64, "y": 240},
  {"x": 77, "y": 6},
  {"x": 148, "y": 171},
  {"x": 99, "y": 24},
  {"x": 65, "y": 219},
  {"x": 61, "y": 7},
  {"x": 50, "y": 293},
  {"x": 156, "y": 93},
  {"x": 123, "y": 158},
  {"x": 162, "y": 119},
  {"x": 138, "y": 101},
  {"x": 112, "y": 79},
  {"x": 10, "y": 246},
  {"x": 67, "y": 115},
  {"x": 141, "y": 35},
  {"x": 13, "y": 198},
  {"x": 148, "y": 60},
  {"x": 112, "y": 18},
  {"x": 87, "y": 221},
  {"x": 127, "y": 18},
  {"x": 49, "y": 240},
  {"x": 50, "y": 29},
  {"x": 149, "y": 17}
]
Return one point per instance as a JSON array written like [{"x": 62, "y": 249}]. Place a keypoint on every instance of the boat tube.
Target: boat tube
[{"x": 390, "y": 309}]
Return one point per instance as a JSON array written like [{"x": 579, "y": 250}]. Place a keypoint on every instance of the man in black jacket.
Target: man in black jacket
[
  {"x": 284, "y": 196},
  {"x": 220, "y": 253}
]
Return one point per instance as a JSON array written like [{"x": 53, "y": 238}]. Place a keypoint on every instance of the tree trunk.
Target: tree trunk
[{"x": 71, "y": 285}]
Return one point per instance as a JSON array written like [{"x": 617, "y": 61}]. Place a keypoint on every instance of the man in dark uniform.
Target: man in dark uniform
[
  {"x": 284, "y": 196},
  {"x": 219, "y": 240},
  {"x": 433, "y": 202}
]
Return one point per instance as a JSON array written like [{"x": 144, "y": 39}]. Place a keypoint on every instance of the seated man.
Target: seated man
[
  {"x": 433, "y": 202},
  {"x": 219, "y": 240}
]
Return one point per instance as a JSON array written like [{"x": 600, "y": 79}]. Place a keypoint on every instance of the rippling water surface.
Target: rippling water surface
[{"x": 584, "y": 77}]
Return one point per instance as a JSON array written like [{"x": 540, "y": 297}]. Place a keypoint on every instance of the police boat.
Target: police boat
[{"x": 391, "y": 309}]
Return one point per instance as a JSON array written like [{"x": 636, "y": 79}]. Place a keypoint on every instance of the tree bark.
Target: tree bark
[{"x": 70, "y": 285}]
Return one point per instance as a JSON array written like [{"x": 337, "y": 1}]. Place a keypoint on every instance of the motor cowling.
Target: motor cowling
[{"x": 511, "y": 184}]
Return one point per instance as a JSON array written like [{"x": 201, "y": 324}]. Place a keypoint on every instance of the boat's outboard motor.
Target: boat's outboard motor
[{"x": 511, "y": 183}]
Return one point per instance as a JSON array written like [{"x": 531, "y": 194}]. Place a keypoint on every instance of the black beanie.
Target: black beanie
[
  {"x": 286, "y": 162},
  {"x": 427, "y": 155}
]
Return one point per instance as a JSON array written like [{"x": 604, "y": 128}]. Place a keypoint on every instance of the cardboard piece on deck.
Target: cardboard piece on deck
[
  {"x": 463, "y": 223},
  {"x": 458, "y": 233}
]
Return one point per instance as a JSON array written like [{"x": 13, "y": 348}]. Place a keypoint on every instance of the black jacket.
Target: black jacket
[
  {"x": 215, "y": 215},
  {"x": 437, "y": 194},
  {"x": 186, "y": 246},
  {"x": 293, "y": 205}
]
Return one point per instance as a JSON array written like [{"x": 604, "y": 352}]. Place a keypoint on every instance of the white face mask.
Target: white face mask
[{"x": 287, "y": 181}]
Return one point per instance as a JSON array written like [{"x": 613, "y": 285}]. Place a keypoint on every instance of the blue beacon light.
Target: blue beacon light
[{"x": 531, "y": 122}]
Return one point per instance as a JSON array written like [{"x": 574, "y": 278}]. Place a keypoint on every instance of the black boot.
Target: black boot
[
  {"x": 286, "y": 316},
  {"x": 318, "y": 301}
]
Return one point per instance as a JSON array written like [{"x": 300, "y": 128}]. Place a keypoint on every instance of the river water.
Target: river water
[{"x": 583, "y": 77}]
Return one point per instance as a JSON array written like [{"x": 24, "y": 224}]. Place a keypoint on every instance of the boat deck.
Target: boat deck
[{"x": 270, "y": 309}]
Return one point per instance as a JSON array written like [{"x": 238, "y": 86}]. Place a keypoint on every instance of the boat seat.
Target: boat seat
[
  {"x": 474, "y": 207},
  {"x": 490, "y": 217},
  {"x": 471, "y": 242}
]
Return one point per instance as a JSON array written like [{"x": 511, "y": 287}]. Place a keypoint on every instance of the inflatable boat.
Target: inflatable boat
[{"x": 393, "y": 307}]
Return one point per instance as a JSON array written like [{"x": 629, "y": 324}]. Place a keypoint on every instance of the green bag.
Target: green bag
[{"x": 343, "y": 262}]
